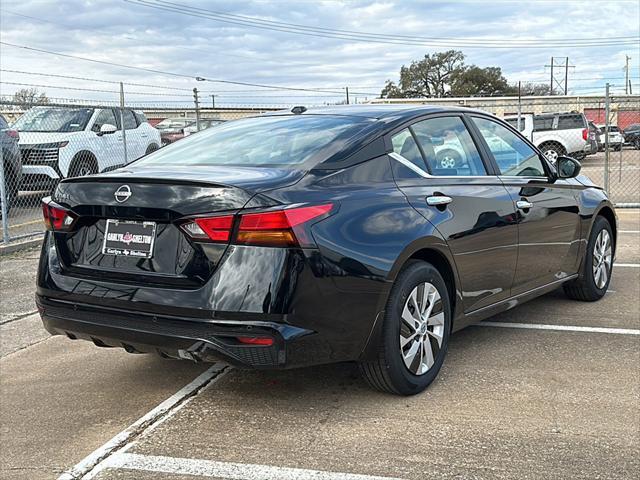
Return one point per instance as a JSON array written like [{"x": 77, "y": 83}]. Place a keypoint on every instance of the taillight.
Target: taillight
[
  {"x": 282, "y": 228},
  {"x": 279, "y": 228},
  {"x": 57, "y": 218},
  {"x": 585, "y": 133}
]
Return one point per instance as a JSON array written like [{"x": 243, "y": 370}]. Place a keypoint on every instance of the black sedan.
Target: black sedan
[{"x": 317, "y": 236}]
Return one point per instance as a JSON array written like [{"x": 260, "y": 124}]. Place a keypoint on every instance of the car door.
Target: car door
[
  {"x": 464, "y": 199},
  {"x": 136, "y": 144},
  {"x": 547, "y": 208},
  {"x": 109, "y": 147}
]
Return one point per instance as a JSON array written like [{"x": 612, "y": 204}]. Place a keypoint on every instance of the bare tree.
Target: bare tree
[{"x": 28, "y": 97}]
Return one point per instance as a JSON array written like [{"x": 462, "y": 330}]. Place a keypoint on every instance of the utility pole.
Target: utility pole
[
  {"x": 607, "y": 112},
  {"x": 561, "y": 82},
  {"x": 195, "y": 100},
  {"x": 346, "y": 89},
  {"x": 213, "y": 101},
  {"x": 124, "y": 130},
  {"x": 626, "y": 74}
]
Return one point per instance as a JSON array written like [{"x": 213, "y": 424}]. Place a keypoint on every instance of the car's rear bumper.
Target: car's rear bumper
[{"x": 172, "y": 337}]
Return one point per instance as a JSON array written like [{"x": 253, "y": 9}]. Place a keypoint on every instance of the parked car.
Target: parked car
[
  {"x": 556, "y": 134},
  {"x": 616, "y": 140},
  {"x": 321, "y": 235},
  {"x": 632, "y": 135},
  {"x": 172, "y": 129},
  {"x": 11, "y": 163},
  {"x": 204, "y": 124},
  {"x": 62, "y": 142}
]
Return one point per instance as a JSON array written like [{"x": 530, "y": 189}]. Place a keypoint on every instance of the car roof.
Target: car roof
[{"x": 395, "y": 111}]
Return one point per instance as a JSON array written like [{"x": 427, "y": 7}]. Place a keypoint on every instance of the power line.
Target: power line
[
  {"x": 378, "y": 38},
  {"x": 91, "y": 89},
  {"x": 163, "y": 72}
]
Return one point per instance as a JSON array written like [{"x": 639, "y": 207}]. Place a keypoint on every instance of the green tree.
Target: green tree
[
  {"x": 476, "y": 81},
  {"x": 28, "y": 97},
  {"x": 429, "y": 77}
]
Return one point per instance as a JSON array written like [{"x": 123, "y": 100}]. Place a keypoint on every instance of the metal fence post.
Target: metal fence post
[
  {"x": 3, "y": 199},
  {"x": 124, "y": 130},
  {"x": 607, "y": 108},
  {"x": 197, "y": 103}
]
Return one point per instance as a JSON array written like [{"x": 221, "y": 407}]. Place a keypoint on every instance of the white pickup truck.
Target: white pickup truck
[
  {"x": 556, "y": 134},
  {"x": 61, "y": 142}
]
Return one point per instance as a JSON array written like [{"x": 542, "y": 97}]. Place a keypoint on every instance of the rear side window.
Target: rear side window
[
  {"x": 3, "y": 123},
  {"x": 129, "y": 120},
  {"x": 405, "y": 145},
  {"x": 448, "y": 147},
  {"x": 541, "y": 123},
  {"x": 567, "y": 122},
  {"x": 140, "y": 118},
  {"x": 282, "y": 140}
]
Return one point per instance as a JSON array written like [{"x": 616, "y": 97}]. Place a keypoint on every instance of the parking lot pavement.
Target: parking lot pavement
[
  {"x": 63, "y": 399},
  {"x": 509, "y": 402}
]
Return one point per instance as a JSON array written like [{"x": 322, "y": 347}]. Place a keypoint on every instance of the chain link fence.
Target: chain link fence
[{"x": 44, "y": 143}]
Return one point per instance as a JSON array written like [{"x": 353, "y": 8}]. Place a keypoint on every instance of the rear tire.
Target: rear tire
[
  {"x": 594, "y": 278},
  {"x": 415, "y": 332},
  {"x": 151, "y": 148}
]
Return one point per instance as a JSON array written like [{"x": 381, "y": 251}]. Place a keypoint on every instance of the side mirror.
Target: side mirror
[
  {"x": 107, "y": 129},
  {"x": 568, "y": 167}
]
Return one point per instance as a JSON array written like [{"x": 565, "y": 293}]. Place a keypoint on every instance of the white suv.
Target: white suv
[
  {"x": 60, "y": 142},
  {"x": 555, "y": 134}
]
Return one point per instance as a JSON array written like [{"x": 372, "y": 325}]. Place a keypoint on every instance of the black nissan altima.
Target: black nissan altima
[{"x": 364, "y": 233}]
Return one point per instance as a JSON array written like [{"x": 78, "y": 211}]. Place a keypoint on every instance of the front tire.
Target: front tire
[
  {"x": 595, "y": 273},
  {"x": 415, "y": 332},
  {"x": 82, "y": 166}
]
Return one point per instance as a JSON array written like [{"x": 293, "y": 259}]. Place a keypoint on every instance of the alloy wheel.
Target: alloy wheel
[
  {"x": 448, "y": 162},
  {"x": 551, "y": 155},
  {"x": 602, "y": 259},
  {"x": 422, "y": 328}
]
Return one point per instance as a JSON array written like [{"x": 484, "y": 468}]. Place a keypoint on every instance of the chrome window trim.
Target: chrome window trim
[{"x": 407, "y": 163}]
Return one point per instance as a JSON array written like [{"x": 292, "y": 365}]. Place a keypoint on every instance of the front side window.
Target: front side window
[
  {"x": 405, "y": 145},
  {"x": 512, "y": 154},
  {"x": 105, "y": 117},
  {"x": 448, "y": 147},
  {"x": 54, "y": 119},
  {"x": 279, "y": 140}
]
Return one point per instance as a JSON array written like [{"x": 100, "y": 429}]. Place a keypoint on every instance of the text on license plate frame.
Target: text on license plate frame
[{"x": 121, "y": 248}]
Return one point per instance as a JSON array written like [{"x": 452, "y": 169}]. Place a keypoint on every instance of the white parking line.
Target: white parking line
[
  {"x": 629, "y": 265},
  {"x": 227, "y": 470},
  {"x": 87, "y": 467},
  {"x": 562, "y": 328},
  {"x": 628, "y": 231}
]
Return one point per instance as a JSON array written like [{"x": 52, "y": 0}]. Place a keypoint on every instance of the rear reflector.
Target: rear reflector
[
  {"x": 57, "y": 218},
  {"x": 263, "y": 341}
]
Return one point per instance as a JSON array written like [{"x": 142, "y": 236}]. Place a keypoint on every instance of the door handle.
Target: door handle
[
  {"x": 523, "y": 204},
  {"x": 438, "y": 200}
]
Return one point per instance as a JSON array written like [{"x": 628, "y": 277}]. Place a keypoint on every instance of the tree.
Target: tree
[
  {"x": 429, "y": 77},
  {"x": 28, "y": 97},
  {"x": 475, "y": 81},
  {"x": 533, "y": 89}
]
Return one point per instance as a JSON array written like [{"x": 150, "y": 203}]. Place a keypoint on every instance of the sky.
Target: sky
[{"x": 182, "y": 40}]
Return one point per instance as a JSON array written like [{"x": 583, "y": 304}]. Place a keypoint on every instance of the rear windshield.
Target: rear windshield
[{"x": 282, "y": 141}]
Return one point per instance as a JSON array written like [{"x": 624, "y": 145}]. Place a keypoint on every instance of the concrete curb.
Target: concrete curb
[{"x": 7, "y": 248}]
